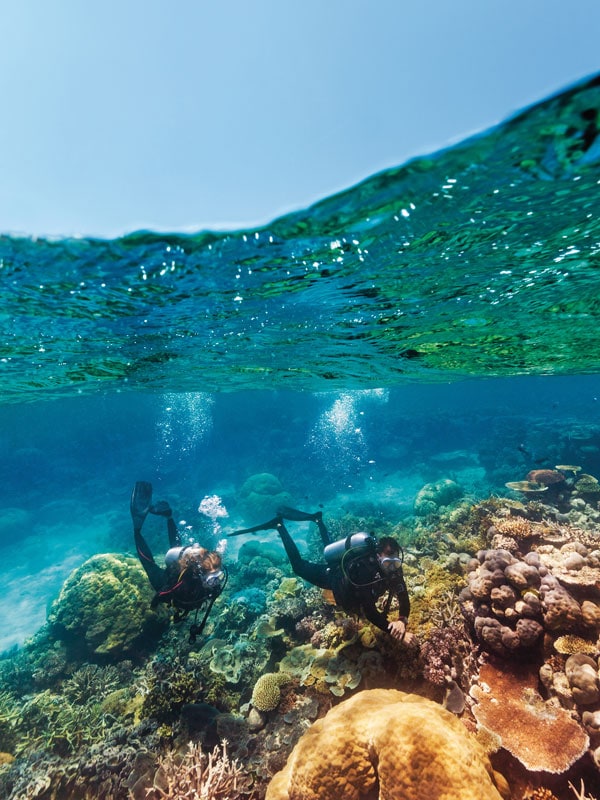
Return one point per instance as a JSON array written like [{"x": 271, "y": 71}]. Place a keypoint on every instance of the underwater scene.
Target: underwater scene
[{"x": 313, "y": 510}]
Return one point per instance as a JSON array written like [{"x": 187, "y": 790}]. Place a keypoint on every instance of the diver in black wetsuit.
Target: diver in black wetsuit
[
  {"x": 359, "y": 570},
  {"x": 192, "y": 578}
]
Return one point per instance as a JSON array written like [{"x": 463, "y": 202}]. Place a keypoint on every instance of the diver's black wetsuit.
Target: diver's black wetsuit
[
  {"x": 184, "y": 589},
  {"x": 355, "y": 589},
  {"x": 158, "y": 576}
]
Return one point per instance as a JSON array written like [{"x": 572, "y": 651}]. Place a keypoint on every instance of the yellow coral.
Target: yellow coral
[
  {"x": 267, "y": 690},
  {"x": 388, "y": 744},
  {"x": 569, "y": 645},
  {"x": 516, "y": 527}
]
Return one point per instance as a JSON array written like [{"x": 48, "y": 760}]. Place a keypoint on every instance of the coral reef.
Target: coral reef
[
  {"x": 104, "y": 608},
  {"x": 376, "y": 745}
]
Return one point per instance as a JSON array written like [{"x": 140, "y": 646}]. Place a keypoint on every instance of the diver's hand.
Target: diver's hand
[{"x": 397, "y": 629}]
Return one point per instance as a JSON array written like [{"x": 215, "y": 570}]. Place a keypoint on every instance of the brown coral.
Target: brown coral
[
  {"x": 517, "y": 527},
  {"x": 528, "y": 727},
  {"x": 388, "y": 744},
  {"x": 547, "y": 477}
]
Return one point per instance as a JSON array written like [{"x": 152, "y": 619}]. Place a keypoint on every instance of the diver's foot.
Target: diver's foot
[
  {"x": 161, "y": 509},
  {"x": 141, "y": 500}
]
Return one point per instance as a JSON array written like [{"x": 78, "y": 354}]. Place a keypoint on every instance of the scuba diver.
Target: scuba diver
[
  {"x": 359, "y": 570},
  {"x": 192, "y": 578}
]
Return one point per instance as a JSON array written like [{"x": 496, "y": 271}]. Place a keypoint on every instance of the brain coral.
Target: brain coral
[
  {"x": 267, "y": 692},
  {"x": 387, "y": 744},
  {"x": 104, "y": 605}
]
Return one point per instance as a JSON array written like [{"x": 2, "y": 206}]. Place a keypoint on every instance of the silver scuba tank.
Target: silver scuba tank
[
  {"x": 172, "y": 556},
  {"x": 360, "y": 543}
]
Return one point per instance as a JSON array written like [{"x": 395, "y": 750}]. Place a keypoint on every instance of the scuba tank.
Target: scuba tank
[
  {"x": 359, "y": 543},
  {"x": 173, "y": 555}
]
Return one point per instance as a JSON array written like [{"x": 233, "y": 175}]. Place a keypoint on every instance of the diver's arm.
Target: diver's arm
[
  {"x": 403, "y": 598},
  {"x": 373, "y": 614}
]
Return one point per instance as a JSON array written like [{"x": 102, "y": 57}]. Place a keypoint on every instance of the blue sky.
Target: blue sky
[{"x": 190, "y": 114}]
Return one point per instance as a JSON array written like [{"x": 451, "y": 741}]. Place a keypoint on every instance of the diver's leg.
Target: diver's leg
[
  {"x": 156, "y": 575},
  {"x": 163, "y": 509},
  {"x": 317, "y": 574},
  {"x": 172, "y": 531},
  {"x": 303, "y": 516}
]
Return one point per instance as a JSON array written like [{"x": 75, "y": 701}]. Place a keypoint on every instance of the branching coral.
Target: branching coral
[{"x": 199, "y": 776}]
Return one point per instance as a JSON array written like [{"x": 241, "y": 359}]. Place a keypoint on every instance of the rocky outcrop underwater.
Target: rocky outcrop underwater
[{"x": 288, "y": 698}]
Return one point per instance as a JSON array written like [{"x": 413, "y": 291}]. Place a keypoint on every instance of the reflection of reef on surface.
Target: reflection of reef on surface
[{"x": 506, "y": 615}]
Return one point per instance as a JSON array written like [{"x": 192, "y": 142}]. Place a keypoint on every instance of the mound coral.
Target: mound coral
[
  {"x": 260, "y": 497},
  {"x": 388, "y": 744},
  {"x": 432, "y": 497},
  {"x": 509, "y": 706},
  {"x": 267, "y": 690},
  {"x": 104, "y": 605}
]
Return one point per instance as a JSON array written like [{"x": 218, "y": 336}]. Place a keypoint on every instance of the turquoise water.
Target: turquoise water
[{"x": 481, "y": 260}]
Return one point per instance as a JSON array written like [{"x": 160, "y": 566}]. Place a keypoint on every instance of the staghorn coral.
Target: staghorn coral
[
  {"x": 516, "y": 527},
  {"x": 91, "y": 683},
  {"x": 49, "y": 722},
  {"x": 207, "y": 777},
  {"x": 170, "y": 687},
  {"x": 376, "y": 745},
  {"x": 267, "y": 690}
]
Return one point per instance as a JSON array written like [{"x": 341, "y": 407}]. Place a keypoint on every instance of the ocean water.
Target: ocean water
[{"x": 438, "y": 320}]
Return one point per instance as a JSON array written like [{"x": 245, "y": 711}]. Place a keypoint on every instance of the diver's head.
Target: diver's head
[
  {"x": 388, "y": 554},
  {"x": 206, "y": 565}
]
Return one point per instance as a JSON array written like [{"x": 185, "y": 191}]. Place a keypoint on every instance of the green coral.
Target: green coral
[
  {"x": 170, "y": 686},
  {"x": 267, "y": 690},
  {"x": 325, "y": 670},
  {"x": 105, "y": 605},
  {"x": 226, "y": 661},
  {"x": 587, "y": 485},
  {"x": 289, "y": 587},
  {"x": 49, "y": 722},
  {"x": 261, "y": 495},
  {"x": 433, "y": 497}
]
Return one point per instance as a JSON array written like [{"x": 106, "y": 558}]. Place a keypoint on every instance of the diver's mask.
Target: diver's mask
[
  {"x": 214, "y": 581},
  {"x": 390, "y": 566}
]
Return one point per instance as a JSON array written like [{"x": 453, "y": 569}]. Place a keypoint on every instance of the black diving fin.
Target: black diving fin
[
  {"x": 141, "y": 500},
  {"x": 294, "y": 515},
  {"x": 271, "y": 525}
]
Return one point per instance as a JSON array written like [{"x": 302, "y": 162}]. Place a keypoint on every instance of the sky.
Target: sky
[{"x": 182, "y": 115}]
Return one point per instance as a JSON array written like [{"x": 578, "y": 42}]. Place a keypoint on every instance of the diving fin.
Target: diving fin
[
  {"x": 298, "y": 516},
  {"x": 141, "y": 500},
  {"x": 271, "y": 525},
  {"x": 161, "y": 509}
]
